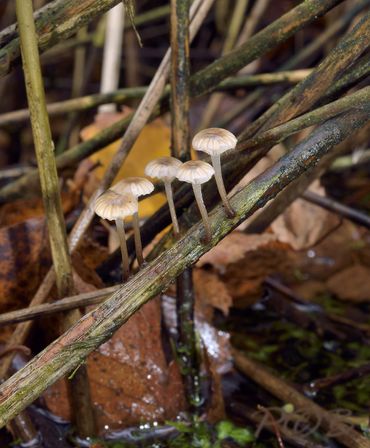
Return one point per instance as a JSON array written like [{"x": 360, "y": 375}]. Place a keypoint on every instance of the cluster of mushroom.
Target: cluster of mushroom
[{"x": 121, "y": 200}]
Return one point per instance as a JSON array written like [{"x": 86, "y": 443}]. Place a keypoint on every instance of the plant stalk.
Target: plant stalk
[
  {"x": 44, "y": 148},
  {"x": 180, "y": 73}
]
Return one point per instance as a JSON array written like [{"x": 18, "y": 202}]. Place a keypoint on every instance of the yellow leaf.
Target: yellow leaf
[{"x": 153, "y": 142}]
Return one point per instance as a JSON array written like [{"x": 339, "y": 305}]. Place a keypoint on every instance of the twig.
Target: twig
[
  {"x": 254, "y": 17},
  {"x": 96, "y": 327},
  {"x": 121, "y": 96},
  {"x": 294, "y": 439},
  {"x": 223, "y": 67},
  {"x": 274, "y": 425},
  {"x": 50, "y": 191},
  {"x": 266, "y": 39},
  {"x": 54, "y": 22},
  {"x": 180, "y": 71},
  {"x": 257, "y": 95},
  {"x": 317, "y": 116},
  {"x": 343, "y": 433},
  {"x": 66, "y": 304},
  {"x": 340, "y": 378},
  {"x": 112, "y": 54},
  {"x": 340, "y": 24},
  {"x": 348, "y": 49},
  {"x": 232, "y": 34},
  {"x": 336, "y": 207}
]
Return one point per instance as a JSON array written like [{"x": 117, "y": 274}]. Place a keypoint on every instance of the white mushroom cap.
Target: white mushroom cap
[
  {"x": 163, "y": 168},
  {"x": 195, "y": 172},
  {"x": 214, "y": 141},
  {"x": 111, "y": 205},
  {"x": 137, "y": 186}
]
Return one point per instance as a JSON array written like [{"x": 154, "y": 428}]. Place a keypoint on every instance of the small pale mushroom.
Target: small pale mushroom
[
  {"x": 214, "y": 142},
  {"x": 197, "y": 173},
  {"x": 136, "y": 186},
  {"x": 165, "y": 169},
  {"x": 115, "y": 207}
]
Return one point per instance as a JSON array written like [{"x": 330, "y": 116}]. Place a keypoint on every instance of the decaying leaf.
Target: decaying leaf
[
  {"x": 21, "y": 210},
  {"x": 233, "y": 248},
  {"x": 244, "y": 278},
  {"x": 131, "y": 380},
  {"x": 23, "y": 260},
  {"x": 153, "y": 142},
  {"x": 303, "y": 224},
  {"x": 352, "y": 283},
  {"x": 211, "y": 291}
]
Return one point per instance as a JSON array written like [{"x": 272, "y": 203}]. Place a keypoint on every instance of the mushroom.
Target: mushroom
[
  {"x": 197, "y": 173},
  {"x": 215, "y": 141},
  {"x": 136, "y": 186},
  {"x": 113, "y": 206},
  {"x": 165, "y": 168}
]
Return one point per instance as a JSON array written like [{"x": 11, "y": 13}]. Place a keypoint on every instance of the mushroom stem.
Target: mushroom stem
[
  {"x": 203, "y": 211},
  {"x": 216, "y": 162},
  {"x": 137, "y": 238},
  {"x": 122, "y": 239},
  {"x": 171, "y": 205}
]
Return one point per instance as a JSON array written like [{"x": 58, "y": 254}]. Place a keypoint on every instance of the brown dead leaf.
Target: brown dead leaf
[
  {"x": 211, "y": 291},
  {"x": 244, "y": 278},
  {"x": 233, "y": 248},
  {"x": 130, "y": 378},
  {"x": 303, "y": 224},
  {"x": 24, "y": 260},
  {"x": 21, "y": 210},
  {"x": 352, "y": 283}
]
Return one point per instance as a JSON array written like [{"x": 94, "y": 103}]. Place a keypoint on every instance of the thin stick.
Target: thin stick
[
  {"x": 137, "y": 237},
  {"x": 317, "y": 116},
  {"x": 66, "y": 304},
  {"x": 112, "y": 54},
  {"x": 123, "y": 245},
  {"x": 55, "y": 22},
  {"x": 51, "y": 197},
  {"x": 254, "y": 17},
  {"x": 122, "y": 96},
  {"x": 180, "y": 73},
  {"x": 64, "y": 354},
  {"x": 285, "y": 392},
  {"x": 260, "y": 43},
  {"x": 336, "y": 207},
  {"x": 268, "y": 38},
  {"x": 333, "y": 65},
  {"x": 232, "y": 34},
  {"x": 44, "y": 146}
]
